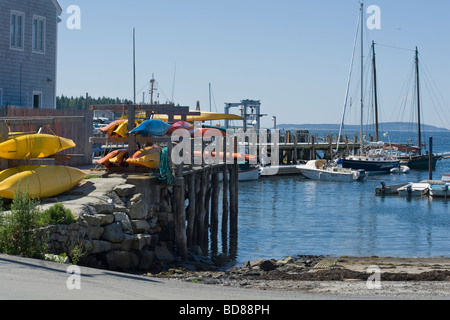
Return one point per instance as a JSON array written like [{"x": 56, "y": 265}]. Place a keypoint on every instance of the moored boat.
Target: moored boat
[
  {"x": 318, "y": 170},
  {"x": 414, "y": 189}
]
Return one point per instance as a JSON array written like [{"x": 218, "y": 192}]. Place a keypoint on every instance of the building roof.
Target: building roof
[{"x": 57, "y": 6}]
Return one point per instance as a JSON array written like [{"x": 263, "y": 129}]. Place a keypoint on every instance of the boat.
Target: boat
[
  {"x": 415, "y": 159},
  {"x": 204, "y": 116},
  {"x": 42, "y": 182},
  {"x": 445, "y": 177},
  {"x": 112, "y": 157},
  {"x": 4, "y": 174},
  {"x": 151, "y": 128},
  {"x": 146, "y": 157},
  {"x": 31, "y": 146},
  {"x": 247, "y": 172},
  {"x": 401, "y": 169},
  {"x": 273, "y": 170},
  {"x": 419, "y": 161},
  {"x": 439, "y": 189},
  {"x": 318, "y": 170},
  {"x": 414, "y": 189},
  {"x": 389, "y": 189},
  {"x": 372, "y": 160}
]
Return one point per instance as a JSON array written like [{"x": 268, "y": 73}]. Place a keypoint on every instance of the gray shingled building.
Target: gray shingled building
[{"x": 28, "y": 52}]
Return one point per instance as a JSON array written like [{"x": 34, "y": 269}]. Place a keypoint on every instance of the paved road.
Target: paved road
[
  {"x": 29, "y": 279},
  {"x": 24, "y": 279}
]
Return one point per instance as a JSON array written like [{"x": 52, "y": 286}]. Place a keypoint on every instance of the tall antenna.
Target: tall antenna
[
  {"x": 152, "y": 82},
  {"x": 173, "y": 85}
]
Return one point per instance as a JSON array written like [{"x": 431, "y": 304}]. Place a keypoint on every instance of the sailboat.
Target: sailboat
[
  {"x": 378, "y": 160},
  {"x": 414, "y": 158}
]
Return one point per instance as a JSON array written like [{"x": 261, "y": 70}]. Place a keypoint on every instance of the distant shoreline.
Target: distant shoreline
[{"x": 387, "y": 126}]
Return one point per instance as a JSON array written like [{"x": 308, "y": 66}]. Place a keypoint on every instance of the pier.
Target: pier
[{"x": 193, "y": 192}]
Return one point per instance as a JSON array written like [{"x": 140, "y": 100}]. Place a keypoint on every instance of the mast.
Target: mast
[
  {"x": 362, "y": 79},
  {"x": 375, "y": 89},
  {"x": 134, "y": 66},
  {"x": 152, "y": 81},
  {"x": 210, "y": 122},
  {"x": 418, "y": 102}
]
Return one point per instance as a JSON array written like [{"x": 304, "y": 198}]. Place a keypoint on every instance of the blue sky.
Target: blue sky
[{"x": 293, "y": 55}]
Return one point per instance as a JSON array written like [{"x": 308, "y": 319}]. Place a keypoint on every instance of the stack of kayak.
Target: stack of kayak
[
  {"x": 149, "y": 156},
  {"x": 41, "y": 181}
]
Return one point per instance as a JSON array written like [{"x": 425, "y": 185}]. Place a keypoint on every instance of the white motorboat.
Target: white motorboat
[
  {"x": 439, "y": 189},
  {"x": 389, "y": 189},
  {"x": 246, "y": 173},
  {"x": 401, "y": 169},
  {"x": 318, "y": 170},
  {"x": 414, "y": 189}
]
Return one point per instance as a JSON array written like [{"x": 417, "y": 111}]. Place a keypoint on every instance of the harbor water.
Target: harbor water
[{"x": 290, "y": 215}]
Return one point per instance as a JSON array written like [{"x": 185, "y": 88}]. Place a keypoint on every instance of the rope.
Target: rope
[{"x": 165, "y": 171}]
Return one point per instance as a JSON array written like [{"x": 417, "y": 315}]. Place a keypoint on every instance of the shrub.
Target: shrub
[
  {"x": 20, "y": 229},
  {"x": 57, "y": 214}
]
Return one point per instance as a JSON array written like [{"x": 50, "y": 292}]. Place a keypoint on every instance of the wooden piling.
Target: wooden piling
[{"x": 214, "y": 210}]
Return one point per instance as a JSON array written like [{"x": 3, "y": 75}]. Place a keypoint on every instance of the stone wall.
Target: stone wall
[{"x": 122, "y": 223}]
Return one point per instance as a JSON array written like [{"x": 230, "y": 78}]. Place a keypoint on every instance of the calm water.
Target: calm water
[{"x": 291, "y": 215}]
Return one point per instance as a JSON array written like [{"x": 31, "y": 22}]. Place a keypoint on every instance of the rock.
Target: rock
[
  {"x": 113, "y": 233},
  {"x": 94, "y": 232},
  {"x": 124, "y": 221},
  {"x": 121, "y": 260},
  {"x": 162, "y": 253},
  {"x": 284, "y": 261},
  {"x": 99, "y": 246},
  {"x": 263, "y": 264},
  {"x": 125, "y": 190},
  {"x": 146, "y": 259},
  {"x": 104, "y": 206},
  {"x": 138, "y": 207},
  {"x": 97, "y": 220},
  {"x": 139, "y": 226}
]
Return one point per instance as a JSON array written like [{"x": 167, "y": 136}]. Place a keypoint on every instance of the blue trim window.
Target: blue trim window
[
  {"x": 38, "y": 34},
  {"x": 17, "y": 30}
]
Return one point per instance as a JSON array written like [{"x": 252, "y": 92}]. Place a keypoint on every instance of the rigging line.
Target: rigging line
[
  {"x": 434, "y": 100},
  {"x": 348, "y": 81},
  {"x": 162, "y": 91},
  {"x": 427, "y": 77},
  {"x": 394, "y": 47}
]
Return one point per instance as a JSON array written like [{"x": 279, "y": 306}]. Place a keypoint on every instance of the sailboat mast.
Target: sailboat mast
[
  {"x": 362, "y": 79},
  {"x": 418, "y": 102},
  {"x": 375, "y": 89}
]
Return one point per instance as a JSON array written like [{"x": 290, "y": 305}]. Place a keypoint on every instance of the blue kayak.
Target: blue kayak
[{"x": 151, "y": 128}]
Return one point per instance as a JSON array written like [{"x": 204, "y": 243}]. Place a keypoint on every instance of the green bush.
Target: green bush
[
  {"x": 20, "y": 231},
  {"x": 57, "y": 214}
]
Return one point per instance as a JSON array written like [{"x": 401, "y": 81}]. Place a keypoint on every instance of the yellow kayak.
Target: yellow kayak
[
  {"x": 147, "y": 157},
  {"x": 42, "y": 182},
  {"x": 31, "y": 146},
  {"x": 12, "y": 171}
]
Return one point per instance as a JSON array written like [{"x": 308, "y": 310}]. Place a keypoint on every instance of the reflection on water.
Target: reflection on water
[{"x": 289, "y": 215}]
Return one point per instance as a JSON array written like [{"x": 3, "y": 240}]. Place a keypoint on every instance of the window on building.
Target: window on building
[
  {"x": 37, "y": 99},
  {"x": 38, "y": 34},
  {"x": 17, "y": 29},
  {"x": 1, "y": 97}
]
